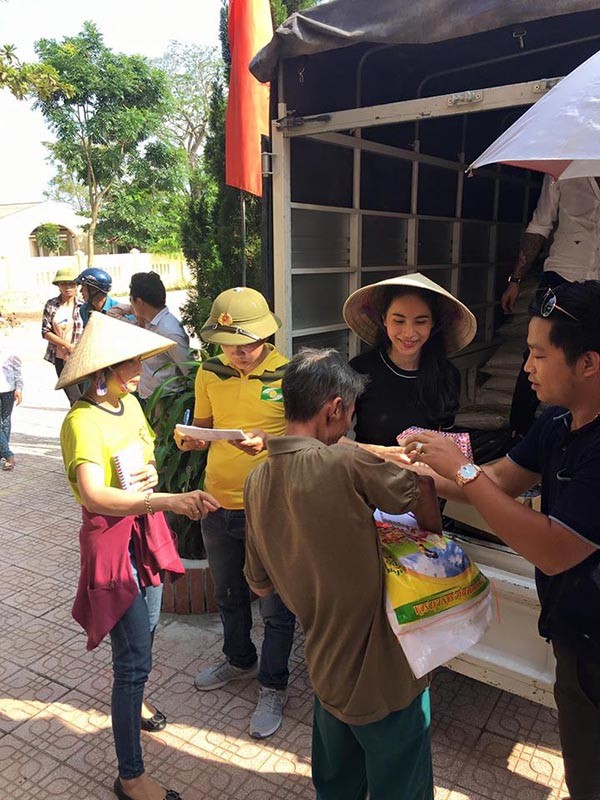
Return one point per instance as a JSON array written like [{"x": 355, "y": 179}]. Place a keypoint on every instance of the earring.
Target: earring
[{"x": 101, "y": 389}]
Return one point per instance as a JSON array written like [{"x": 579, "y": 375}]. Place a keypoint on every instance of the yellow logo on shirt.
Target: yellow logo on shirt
[{"x": 271, "y": 393}]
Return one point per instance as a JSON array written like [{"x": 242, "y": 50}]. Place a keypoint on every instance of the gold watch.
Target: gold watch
[{"x": 467, "y": 473}]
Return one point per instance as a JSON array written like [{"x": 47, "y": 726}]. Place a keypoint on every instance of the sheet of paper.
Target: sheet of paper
[{"x": 210, "y": 434}]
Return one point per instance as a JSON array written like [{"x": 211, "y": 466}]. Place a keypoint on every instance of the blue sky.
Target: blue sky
[{"x": 128, "y": 26}]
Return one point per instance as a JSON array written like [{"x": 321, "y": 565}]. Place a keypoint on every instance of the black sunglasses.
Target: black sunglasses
[{"x": 548, "y": 304}]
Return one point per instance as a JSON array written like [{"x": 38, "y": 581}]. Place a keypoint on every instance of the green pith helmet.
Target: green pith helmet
[
  {"x": 65, "y": 275},
  {"x": 239, "y": 316}
]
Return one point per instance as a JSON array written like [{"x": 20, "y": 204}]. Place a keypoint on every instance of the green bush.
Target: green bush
[{"x": 177, "y": 471}]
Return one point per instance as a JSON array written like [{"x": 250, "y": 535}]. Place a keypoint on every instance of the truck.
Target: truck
[{"x": 377, "y": 109}]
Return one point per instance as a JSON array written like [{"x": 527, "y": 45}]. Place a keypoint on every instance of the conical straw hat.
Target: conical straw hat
[
  {"x": 363, "y": 311},
  {"x": 107, "y": 341}
]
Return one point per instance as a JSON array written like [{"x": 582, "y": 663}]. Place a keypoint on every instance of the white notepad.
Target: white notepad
[
  {"x": 210, "y": 434},
  {"x": 127, "y": 461}
]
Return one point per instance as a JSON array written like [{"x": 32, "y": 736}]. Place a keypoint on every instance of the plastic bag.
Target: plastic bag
[{"x": 438, "y": 602}]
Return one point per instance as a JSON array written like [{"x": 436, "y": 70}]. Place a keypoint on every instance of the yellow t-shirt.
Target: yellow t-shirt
[
  {"x": 249, "y": 402},
  {"x": 92, "y": 435}
]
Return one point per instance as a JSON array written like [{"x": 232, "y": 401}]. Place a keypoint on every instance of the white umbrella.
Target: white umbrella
[{"x": 560, "y": 134}]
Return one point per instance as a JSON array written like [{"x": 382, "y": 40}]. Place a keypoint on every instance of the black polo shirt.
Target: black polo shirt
[{"x": 569, "y": 463}]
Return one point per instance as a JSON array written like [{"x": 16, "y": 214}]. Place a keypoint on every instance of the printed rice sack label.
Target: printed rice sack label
[{"x": 438, "y": 601}]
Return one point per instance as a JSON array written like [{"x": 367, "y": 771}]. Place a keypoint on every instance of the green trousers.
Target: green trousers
[
  {"x": 577, "y": 695},
  {"x": 389, "y": 759}
]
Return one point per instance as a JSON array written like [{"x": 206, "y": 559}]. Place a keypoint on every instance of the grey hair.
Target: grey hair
[{"x": 314, "y": 377}]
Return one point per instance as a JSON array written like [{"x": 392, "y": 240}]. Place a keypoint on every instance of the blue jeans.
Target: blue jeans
[
  {"x": 224, "y": 534},
  {"x": 7, "y": 401},
  {"x": 131, "y": 641}
]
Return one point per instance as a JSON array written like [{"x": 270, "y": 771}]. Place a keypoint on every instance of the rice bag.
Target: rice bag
[{"x": 438, "y": 602}]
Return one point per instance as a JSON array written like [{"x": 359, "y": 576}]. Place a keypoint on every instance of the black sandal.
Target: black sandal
[
  {"x": 118, "y": 790},
  {"x": 157, "y": 722}
]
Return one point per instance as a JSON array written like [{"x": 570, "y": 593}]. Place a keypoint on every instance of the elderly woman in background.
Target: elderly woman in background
[
  {"x": 126, "y": 544},
  {"x": 62, "y": 325}
]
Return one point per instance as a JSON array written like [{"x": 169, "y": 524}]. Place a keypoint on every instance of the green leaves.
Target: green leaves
[
  {"x": 107, "y": 120},
  {"x": 177, "y": 471}
]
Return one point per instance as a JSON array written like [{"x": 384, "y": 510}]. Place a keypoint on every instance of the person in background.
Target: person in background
[
  {"x": 148, "y": 300},
  {"x": 563, "y": 540},
  {"x": 11, "y": 392},
  {"x": 126, "y": 544},
  {"x": 95, "y": 285},
  {"x": 241, "y": 389},
  {"x": 568, "y": 213},
  {"x": 62, "y": 325},
  {"x": 413, "y": 326},
  {"x": 312, "y": 538}
]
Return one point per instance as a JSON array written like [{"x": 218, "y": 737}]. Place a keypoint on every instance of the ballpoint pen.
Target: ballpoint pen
[{"x": 186, "y": 416}]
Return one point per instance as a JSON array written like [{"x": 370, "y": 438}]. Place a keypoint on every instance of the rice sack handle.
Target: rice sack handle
[{"x": 438, "y": 602}]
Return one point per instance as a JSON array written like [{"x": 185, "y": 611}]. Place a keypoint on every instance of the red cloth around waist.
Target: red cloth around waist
[{"x": 107, "y": 586}]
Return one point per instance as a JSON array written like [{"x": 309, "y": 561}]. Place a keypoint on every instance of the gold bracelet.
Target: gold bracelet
[{"x": 148, "y": 504}]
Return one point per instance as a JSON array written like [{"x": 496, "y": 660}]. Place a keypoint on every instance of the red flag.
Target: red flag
[{"x": 250, "y": 29}]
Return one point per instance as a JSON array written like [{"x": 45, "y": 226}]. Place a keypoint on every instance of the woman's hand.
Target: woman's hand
[
  {"x": 437, "y": 452},
  {"x": 195, "y": 505},
  {"x": 145, "y": 478},
  {"x": 18, "y": 395},
  {"x": 254, "y": 443}
]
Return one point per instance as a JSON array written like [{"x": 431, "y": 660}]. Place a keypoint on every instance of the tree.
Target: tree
[
  {"x": 48, "y": 238},
  {"x": 191, "y": 71},
  {"x": 65, "y": 188},
  {"x": 211, "y": 236},
  {"x": 282, "y": 9},
  {"x": 23, "y": 79},
  {"x": 146, "y": 208},
  {"x": 106, "y": 125}
]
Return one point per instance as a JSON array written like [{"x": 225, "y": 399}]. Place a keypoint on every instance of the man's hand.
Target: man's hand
[
  {"x": 254, "y": 443},
  {"x": 18, "y": 395},
  {"x": 437, "y": 452},
  {"x": 186, "y": 443},
  {"x": 509, "y": 297},
  {"x": 120, "y": 310}
]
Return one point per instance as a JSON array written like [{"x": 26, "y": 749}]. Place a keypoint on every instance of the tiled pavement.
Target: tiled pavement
[{"x": 55, "y": 737}]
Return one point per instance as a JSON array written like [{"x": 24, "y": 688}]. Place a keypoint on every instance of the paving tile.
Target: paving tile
[
  {"x": 24, "y": 695},
  {"x": 23, "y": 767},
  {"x": 471, "y": 701},
  {"x": 524, "y": 721},
  {"x": 500, "y": 769}
]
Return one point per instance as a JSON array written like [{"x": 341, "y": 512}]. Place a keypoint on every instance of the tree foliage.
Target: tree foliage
[
  {"x": 25, "y": 80},
  {"x": 105, "y": 127},
  {"x": 191, "y": 72}
]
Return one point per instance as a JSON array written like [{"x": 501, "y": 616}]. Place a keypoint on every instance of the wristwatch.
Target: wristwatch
[
  {"x": 513, "y": 279},
  {"x": 467, "y": 473}
]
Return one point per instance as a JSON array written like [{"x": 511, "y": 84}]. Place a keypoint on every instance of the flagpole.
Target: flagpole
[{"x": 243, "y": 207}]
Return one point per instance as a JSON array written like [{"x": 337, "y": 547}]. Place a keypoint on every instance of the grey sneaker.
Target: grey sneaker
[
  {"x": 268, "y": 712},
  {"x": 221, "y": 675}
]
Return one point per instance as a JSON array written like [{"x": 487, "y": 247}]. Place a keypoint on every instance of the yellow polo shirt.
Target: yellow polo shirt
[{"x": 250, "y": 402}]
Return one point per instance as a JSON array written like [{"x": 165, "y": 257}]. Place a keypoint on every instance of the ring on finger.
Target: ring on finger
[{"x": 419, "y": 448}]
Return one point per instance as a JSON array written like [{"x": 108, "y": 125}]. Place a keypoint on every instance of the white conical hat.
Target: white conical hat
[
  {"x": 363, "y": 311},
  {"x": 107, "y": 341}
]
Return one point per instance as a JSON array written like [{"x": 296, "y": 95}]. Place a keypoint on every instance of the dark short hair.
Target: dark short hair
[
  {"x": 313, "y": 378},
  {"x": 573, "y": 336},
  {"x": 148, "y": 286}
]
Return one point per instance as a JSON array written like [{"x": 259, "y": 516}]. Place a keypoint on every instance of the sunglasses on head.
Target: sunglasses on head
[{"x": 548, "y": 304}]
